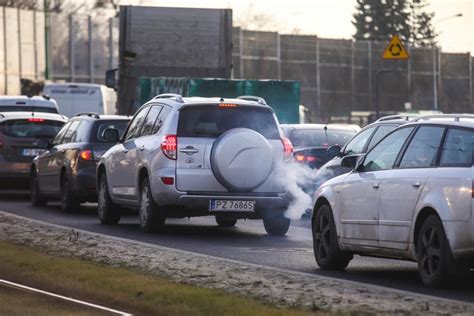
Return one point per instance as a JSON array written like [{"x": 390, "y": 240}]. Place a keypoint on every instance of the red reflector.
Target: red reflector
[
  {"x": 86, "y": 155},
  {"x": 34, "y": 119},
  {"x": 167, "y": 180},
  {"x": 169, "y": 146},
  {"x": 287, "y": 148},
  {"x": 227, "y": 105}
]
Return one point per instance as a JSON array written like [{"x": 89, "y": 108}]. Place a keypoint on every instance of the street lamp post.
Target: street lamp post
[{"x": 435, "y": 50}]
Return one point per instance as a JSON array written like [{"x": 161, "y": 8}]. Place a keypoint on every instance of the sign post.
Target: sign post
[{"x": 395, "y": 50}]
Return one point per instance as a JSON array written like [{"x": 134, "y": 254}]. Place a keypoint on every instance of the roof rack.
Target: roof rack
[
  {"x": 259, "y": 100},
  {"x": 405, "y": 117},
  {"x": 456, "y": 117},
  {"x": 89, "y": 114},
  {"x": 176, "y": 97}
]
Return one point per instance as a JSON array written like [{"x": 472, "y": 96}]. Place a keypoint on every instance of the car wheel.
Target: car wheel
[
  {"x": 36, "y": 198},
  {"x": 152, "y": 216},
  {"x": 109, "y": 213},
  {"x": 327, "y": 253},
  {"x": 433, "y": 253},
  {"x": 276, "y": 224},
  {"x": 68, "y": 202},
  {"x": 225, "y": 222}
]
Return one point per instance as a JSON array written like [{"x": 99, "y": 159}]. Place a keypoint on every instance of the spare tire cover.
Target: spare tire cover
[{"x": 241, "y": 159}]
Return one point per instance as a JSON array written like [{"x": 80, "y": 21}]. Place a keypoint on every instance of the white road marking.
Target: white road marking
[{"x": 31, "y": 289}]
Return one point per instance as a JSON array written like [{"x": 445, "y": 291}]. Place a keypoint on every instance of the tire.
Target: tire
[
  {"x": 225, "y": 222},
  {"x": 68, "y": 202},
  {"x": 36, "y": 198},
  {"x": 109, "y": 213},
  {"x": 433, "y": 253},
  {"x": 152, "y": 217},
  {"x": 327, "y": 253},
  {"x": 276, "y": 224}
]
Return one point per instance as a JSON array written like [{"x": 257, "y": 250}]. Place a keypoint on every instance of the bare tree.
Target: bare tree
[{"x": 258, "y": 21}]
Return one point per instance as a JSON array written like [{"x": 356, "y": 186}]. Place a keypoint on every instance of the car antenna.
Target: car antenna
[{"x": 326, "y": 132}]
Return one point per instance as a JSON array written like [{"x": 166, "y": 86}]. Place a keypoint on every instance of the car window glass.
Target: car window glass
[
  {"x": 57, "y": 140},
  {"x": 82, "y": 132},
  {"x": 319, "y": 137},
  {"x": 212, "y": 121},
  {"x": 136, "y": 124},
  {"x": 70, "y": 134},
  {"x": 384, "y": 154},
  {"x": 161, "y": 119},
  {"x": 97, "y": 134},
  {"x": 357, "y": 144},
  {"x": 457, "y": 148},
  {"x": 150, "y": 120},
  {"x": 31, "y": 128},
  {"x": 380, "y": 133},
  {"x": 423, "y": 148}
]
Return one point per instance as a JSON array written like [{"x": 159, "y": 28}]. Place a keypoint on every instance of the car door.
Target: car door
[
  {"x": 122, "y": 161},
  {"x": 401, "y": 188},
  {"x": 44, "y": 172},
  {"x": 360, "y": 193},
  {"x": 59, "y": 156}
]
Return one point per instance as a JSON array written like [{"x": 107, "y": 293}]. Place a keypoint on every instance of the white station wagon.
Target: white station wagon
[{"x": 410, "y": 197}]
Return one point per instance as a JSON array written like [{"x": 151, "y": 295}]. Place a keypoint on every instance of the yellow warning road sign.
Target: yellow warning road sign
[{"x": 395, "y": 49}]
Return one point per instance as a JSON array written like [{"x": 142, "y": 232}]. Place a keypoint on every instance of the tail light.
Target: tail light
[
  {"x": 302, "y": 158},
  {"x": 35, "y": 120},
  {"x": 86, "y": 155},
  {"x": 167, "y": 180},
  {"x": 169, "y": 146},
  {"x": 287, "y": 148}
]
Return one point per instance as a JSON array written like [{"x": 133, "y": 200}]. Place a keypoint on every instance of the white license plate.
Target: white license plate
[
  {"x": 32, "y": 152},
  {"x": 232, "y": 205}
]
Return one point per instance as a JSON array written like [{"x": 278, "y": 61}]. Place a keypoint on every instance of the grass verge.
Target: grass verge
[{"x": 127, "y": 290}]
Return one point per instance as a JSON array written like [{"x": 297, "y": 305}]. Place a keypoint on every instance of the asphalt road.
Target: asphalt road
[{"x": 247, "y": 242}]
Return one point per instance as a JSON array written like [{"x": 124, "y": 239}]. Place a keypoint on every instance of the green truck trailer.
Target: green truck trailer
[{"x": 282, "y": 95}]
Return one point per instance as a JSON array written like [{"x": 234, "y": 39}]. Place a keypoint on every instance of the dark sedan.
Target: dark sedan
[{"x": 67, "y": 170}]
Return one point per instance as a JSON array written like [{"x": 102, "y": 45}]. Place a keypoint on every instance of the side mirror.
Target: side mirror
[
  {"x": 110, "y": 78},
  {"x": 334, "y": 150},
  {"x": 351, "y": 161},
  {"x": 111, "y": 135},
  {"x": 44, "y": 144}
]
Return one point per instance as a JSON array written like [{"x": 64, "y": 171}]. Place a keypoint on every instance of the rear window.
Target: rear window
[
  {"x": 313, "y": 137},
  {"x": 24, "y": 108},
  {"x": 212, "y": 121},
  {"x": 31, "y": 128},
  {"x": 100, "y": 126}
]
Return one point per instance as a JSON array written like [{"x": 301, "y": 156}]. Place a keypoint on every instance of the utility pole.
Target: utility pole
[{"x": 47, "y": 39}]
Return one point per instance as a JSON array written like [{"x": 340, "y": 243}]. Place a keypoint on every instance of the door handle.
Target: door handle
[
  {"x": 189, "y": 150},
  {"x": 125, "y": 151},
  {"x": 376, "y": 185},
  {"x": 142, "y": 147},
  {"x": 416, "y": 185}
]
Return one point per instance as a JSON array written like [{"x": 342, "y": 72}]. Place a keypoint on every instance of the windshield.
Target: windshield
[
  {"x": 31, "y": 128},
  {"x": 212, "y": 121},
  {"x": 315, "y": 138},
  {"x": 27, "y": 108}
]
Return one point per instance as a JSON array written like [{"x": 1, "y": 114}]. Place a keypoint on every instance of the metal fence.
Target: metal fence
[{"x": 340, "y": 76}]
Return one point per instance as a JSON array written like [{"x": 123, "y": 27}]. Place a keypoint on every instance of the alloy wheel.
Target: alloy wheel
[
  {"x": 430, "y": 251},
  {"x": 322, "y": 237},
  {"x": 144, "y": 205}
]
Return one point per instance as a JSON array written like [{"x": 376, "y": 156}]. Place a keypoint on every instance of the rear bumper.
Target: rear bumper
[
  {"x": 184, "y": 204},
  {"x": 14, "y": 175},
  {"x": 460, "y": 235},
  {"x": 84, "y": 184}
]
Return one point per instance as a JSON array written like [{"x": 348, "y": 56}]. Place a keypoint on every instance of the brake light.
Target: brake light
[
  {"x": 169, "y": 146},
  {"x": 287, "y": 148},
  {"x": 227, "y": 105},
  {"x": 302, "y": 157},
  {"x": 35, "y": 119},
  {"x": 86, "y": 155},
  {"x": 299, "y": 157}
]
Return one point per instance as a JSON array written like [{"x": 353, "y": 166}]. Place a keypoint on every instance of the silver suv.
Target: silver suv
[{"x": 185, "y": 157}]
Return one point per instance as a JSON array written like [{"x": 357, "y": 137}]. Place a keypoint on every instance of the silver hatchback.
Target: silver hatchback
[{"x": 185, "y": 157}]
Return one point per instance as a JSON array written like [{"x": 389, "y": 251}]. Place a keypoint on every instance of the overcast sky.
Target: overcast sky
[{"x": 332, "y": 18}]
